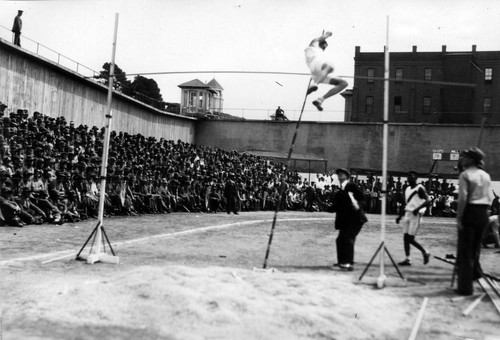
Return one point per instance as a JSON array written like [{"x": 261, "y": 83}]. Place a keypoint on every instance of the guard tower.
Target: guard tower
[{"x": 199, "y": 99}]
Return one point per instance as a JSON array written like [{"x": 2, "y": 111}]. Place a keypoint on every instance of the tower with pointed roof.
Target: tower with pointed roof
[{"x": 200, "y": 99}]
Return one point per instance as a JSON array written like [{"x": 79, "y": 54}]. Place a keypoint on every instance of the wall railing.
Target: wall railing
[{"x": 46, "y": 52}]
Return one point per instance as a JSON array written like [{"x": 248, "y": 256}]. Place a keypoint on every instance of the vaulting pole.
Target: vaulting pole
[
  {"x": 382, "y": 276},
  {"x": 281, "y": 192}
]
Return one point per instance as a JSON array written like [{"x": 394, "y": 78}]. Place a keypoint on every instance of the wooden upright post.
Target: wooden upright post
[{"x": 97, "y": 253}]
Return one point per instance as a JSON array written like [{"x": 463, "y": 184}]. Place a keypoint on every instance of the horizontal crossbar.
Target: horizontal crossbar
[{"x": 430, "y": 82}]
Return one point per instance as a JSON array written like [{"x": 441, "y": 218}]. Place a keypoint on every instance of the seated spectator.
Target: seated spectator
[
  {"x": 48, "y": 207},
  {"x": 30, "y": 213},
  {"x": 214, "y": 199},
  {"x": 10, "y": 210},
  {"x": 55, "y": 165}
]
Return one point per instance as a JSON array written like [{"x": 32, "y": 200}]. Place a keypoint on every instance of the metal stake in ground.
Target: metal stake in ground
[{"x": 282, "y": 187}]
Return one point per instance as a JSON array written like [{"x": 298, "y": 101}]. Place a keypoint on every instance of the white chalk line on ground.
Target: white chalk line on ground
[{"x": 68, "y": 253}]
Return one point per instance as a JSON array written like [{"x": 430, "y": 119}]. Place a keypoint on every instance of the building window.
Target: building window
[
  {"x": 397, "y": 104},
  {"x": 488, "y": 74},
  {"x": 487, "y": 104},
  {"x": 200, "y": 100},
  {"x": 399, "y": 73},
  {"x": 192, "y": 98},
  {"x": 428, "y": 74},
  {"x": 186, "y": 95},
  {"x": 427, "y": 105},
  {"x": 370, "y": 74},
  {"x": 369, "y": 105}
]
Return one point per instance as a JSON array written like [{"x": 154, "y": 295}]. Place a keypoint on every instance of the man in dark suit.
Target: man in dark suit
[
  {"x": 348, "y": 204},
  {"x": 232, "y": 195}
]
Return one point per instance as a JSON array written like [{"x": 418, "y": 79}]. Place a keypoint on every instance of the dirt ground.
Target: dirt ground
[{"x": 199, "y": 276}]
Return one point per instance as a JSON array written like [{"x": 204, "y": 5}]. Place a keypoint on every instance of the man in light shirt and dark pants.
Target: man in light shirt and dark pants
[{"x": 474, "y": 198}]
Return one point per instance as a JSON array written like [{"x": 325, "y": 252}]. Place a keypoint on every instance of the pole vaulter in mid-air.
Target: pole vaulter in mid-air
[{"x": 321, "y": 70}]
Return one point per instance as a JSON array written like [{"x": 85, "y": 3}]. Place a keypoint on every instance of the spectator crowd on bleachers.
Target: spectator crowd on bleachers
[{"x": 50, "y": 173}]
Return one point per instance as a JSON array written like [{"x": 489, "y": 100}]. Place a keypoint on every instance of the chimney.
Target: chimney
[
  {"x": 357, "y": 50},
  {"x": 473, "y": 48},
  {"x": 414, "y": 49},
  {"x": 443, "y": 49}
]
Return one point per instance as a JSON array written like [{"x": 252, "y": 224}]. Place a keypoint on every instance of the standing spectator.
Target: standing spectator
[
  {"x": 350, "y": 218},
  {"x": 283, "y": 191},
  {"x": 416, "y": 202},
  {"x": 474, "y": 199},
  {"x": 232, "y": 195},
  {"x": 310, "y": 197},
  {"x": 17, "y": 27}
]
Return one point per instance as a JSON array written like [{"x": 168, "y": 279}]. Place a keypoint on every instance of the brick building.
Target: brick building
[{"x": 411, "y": 102}]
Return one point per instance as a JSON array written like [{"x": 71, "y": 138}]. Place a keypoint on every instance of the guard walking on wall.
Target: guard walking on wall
[{"x": 17, "y": 27}]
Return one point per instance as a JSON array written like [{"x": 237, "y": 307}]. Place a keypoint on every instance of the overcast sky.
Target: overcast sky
[{"x": 249, "y": 35}]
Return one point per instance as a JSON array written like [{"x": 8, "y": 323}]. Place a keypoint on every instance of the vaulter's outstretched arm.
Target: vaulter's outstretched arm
[{"x": 323, "y": 37}]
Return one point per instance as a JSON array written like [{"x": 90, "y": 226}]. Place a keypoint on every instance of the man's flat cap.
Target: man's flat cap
[{"x": 344, "y": 170}]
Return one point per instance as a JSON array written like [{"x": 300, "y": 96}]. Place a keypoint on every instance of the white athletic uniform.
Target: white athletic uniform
[
  {"x": 315, "y": 59},
  {"x": 411, "y": 222}
]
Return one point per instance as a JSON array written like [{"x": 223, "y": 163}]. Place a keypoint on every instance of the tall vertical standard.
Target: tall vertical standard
[{"x": 97, "y": 252}]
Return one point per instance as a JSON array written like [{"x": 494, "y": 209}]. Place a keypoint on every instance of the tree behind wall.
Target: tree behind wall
[
  {"x": 147, "y": 91},
  {"x": 120, "y": 83},
  {"x": 143, "y": 89}
]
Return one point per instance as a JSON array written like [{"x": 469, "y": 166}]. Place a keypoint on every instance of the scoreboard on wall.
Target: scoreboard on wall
[{"x": 444, "y": 155}]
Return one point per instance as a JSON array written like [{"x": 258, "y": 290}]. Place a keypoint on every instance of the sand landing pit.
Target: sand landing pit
[
  {"x": 200, "y": 285},
  {"x": 182, "y": 302}
]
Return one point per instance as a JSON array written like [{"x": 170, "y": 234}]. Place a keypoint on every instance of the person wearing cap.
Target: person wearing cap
[
  {"x": 416, "y": 202},
  {"x": 310, "y": 196},
  {"x": 9, "y": 209},
  {"x": 348, "y": 206},
  {"x": 52, "y": 213},
  {"x": 71, "y": 204},
  {"x": 321, "y": 69},
  {"x": 17, "y": 27},
  {"x": 474, "y": 198},
  {"x": 30, "y": 213},
  {"x": 37, "y": 183},
  {"x": 232, "y": 195},
  {"x": 138, "y": 204},
  {"x": 7, "y": 166},
  {"x": 167, "y": 198},
  {"x": 280, "y": 114},
  {"x": 214, "y": 199}
]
